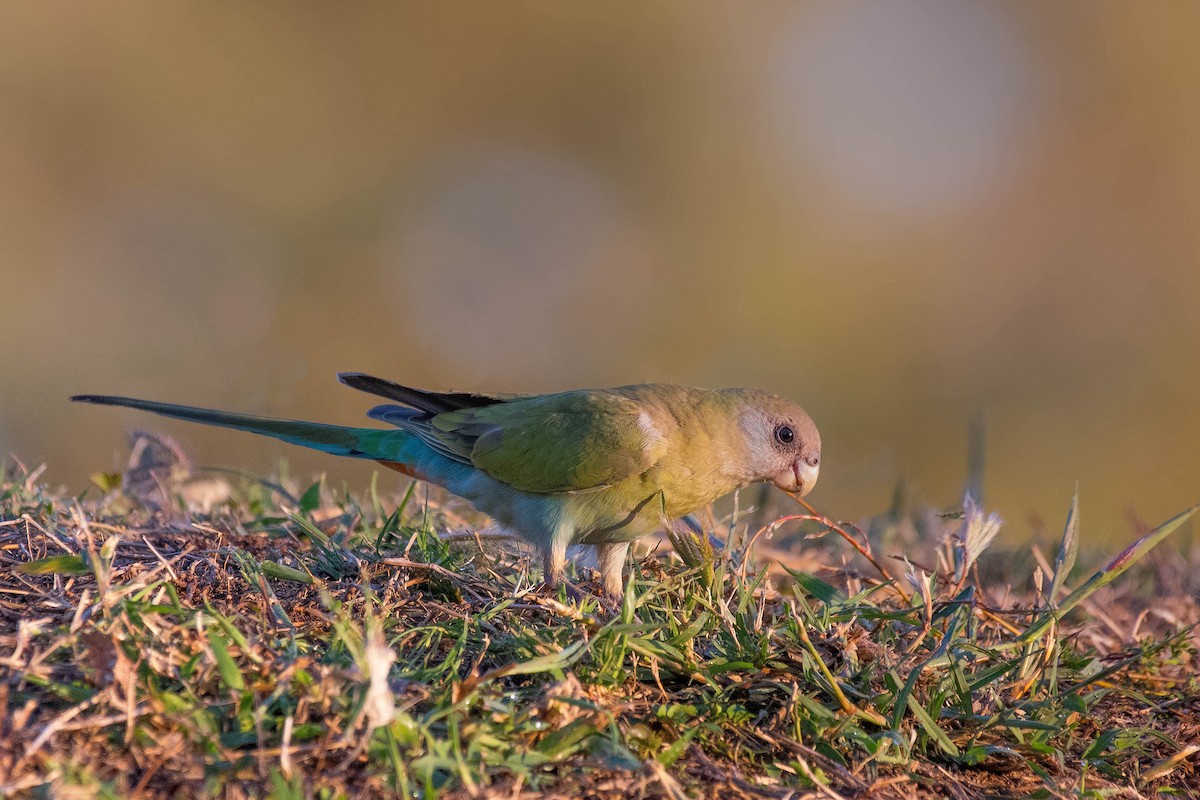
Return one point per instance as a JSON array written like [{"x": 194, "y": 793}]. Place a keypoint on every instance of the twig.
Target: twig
[
  {"x": 160, "y": 558},
  {"x": 436, "y": 569},
  {"x": 844, "y": 702},
  {"x": 57, "y": 724},
  {"x": 863, "y": 551},
  {"x": 88, "y": 723}
]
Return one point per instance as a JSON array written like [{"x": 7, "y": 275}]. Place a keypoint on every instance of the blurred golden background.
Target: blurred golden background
[{"x": 902, "y": 214}]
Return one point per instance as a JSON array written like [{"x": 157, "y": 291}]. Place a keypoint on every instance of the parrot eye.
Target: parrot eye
[{"x": 785, "y": 435}]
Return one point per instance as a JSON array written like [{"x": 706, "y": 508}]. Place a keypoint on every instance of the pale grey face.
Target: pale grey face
[{"x": 784, "y": 444}]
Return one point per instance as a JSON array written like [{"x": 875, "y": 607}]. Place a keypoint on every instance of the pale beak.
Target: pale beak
[
  {"x": 799, "y": 477},
  {"x": 806, "y": 475}
]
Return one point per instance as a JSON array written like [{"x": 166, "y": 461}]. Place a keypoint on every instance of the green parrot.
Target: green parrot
[{"x": 598, "y": 467}]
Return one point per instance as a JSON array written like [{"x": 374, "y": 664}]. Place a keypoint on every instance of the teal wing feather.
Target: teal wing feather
[{"x": 569, "y": 442}]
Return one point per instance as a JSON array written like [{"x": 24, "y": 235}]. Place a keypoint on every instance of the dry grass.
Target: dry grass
[{"x": 331, "y": 644}]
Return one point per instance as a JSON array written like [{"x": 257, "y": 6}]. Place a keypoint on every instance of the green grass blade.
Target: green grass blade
[
  {"x": 231, "y": 676},
  {"x": 1068, "y": 550},
  {"x": 56, "y": 565},
  {"x": 1111, "y": 571},
  {"x": 906, "y": 690},
  {"x": 278, "y": 571},
  {"x": 547, "y": 663},
  {"x": 931, "y": 727},
  {"x": 310, "y": 501},
  {"x": 669, "y": 756},
  {"x": 826, "y": 593}
]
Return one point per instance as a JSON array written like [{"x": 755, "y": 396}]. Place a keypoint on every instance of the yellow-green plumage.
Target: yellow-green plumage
[{"x": 553, "y": 443}]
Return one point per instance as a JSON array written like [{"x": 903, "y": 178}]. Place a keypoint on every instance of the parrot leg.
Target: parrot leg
[
  {"x": 611, "y": 559},
  {"x": 555, "y": 568},
  {"x": 555, "y": 562}
]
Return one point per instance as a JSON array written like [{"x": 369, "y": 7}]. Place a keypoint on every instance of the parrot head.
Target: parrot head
[{"x": 782, "y": 442}]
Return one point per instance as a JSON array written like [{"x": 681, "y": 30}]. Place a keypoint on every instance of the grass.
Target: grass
[{"x": 296, "y": 641}]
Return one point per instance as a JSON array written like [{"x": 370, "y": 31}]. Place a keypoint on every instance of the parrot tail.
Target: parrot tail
[{"x": 380, "y": 445}]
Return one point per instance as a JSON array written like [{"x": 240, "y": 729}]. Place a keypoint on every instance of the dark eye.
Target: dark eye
[{"x": 785, "y": 435}]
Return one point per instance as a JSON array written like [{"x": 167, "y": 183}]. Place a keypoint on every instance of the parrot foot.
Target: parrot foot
[
  {"x": 573, "y": 593},
  {"x": 555, "y": 576}
]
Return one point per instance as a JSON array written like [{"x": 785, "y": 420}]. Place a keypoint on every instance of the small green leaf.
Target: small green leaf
[
  {"x": 307, "y": 732},
  {"x": 173, "y": 703},
  {"x": 612, "y": 754},
  {"x": 56, "y": 565},
  {"x": 563, "y": 741},
  {"x": 392, "y": 523},
  {"x": 310, "y": 501},
  {"x": 405, "y": 728},
  {"x": 692, "y": 630},
  {"x": 677, "y": 748},
  {"x": 1102, "y": 743},
  {"x": 818, "y": 588},
  {"x": 230, "y": 675},
  {"x": 278, "y": 571},
  {"x": 547, "y": 663},
  {"x": 236, "y": 739},
  {"x": 106, "y": 481},
  {"x": 67, "y": 691},
  {"x": 980, "y": 754}
]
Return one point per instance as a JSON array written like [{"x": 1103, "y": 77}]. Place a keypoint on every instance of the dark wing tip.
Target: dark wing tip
[
  {"x": 370, "y": 384},
  {"x": 430, "y": 402},
  {"x": 98, "y": 399}
]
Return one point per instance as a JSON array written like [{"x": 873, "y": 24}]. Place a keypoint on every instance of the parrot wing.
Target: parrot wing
[{"x": 569, "y": 442}]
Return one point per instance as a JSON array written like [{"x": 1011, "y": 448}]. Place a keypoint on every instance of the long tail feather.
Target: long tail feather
[{"x": 334, "y": 439}]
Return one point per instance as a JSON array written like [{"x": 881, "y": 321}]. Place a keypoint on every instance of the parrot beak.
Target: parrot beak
[
  {"x": 806, "y": 475},
  {"x": 798, "y": 478}
]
